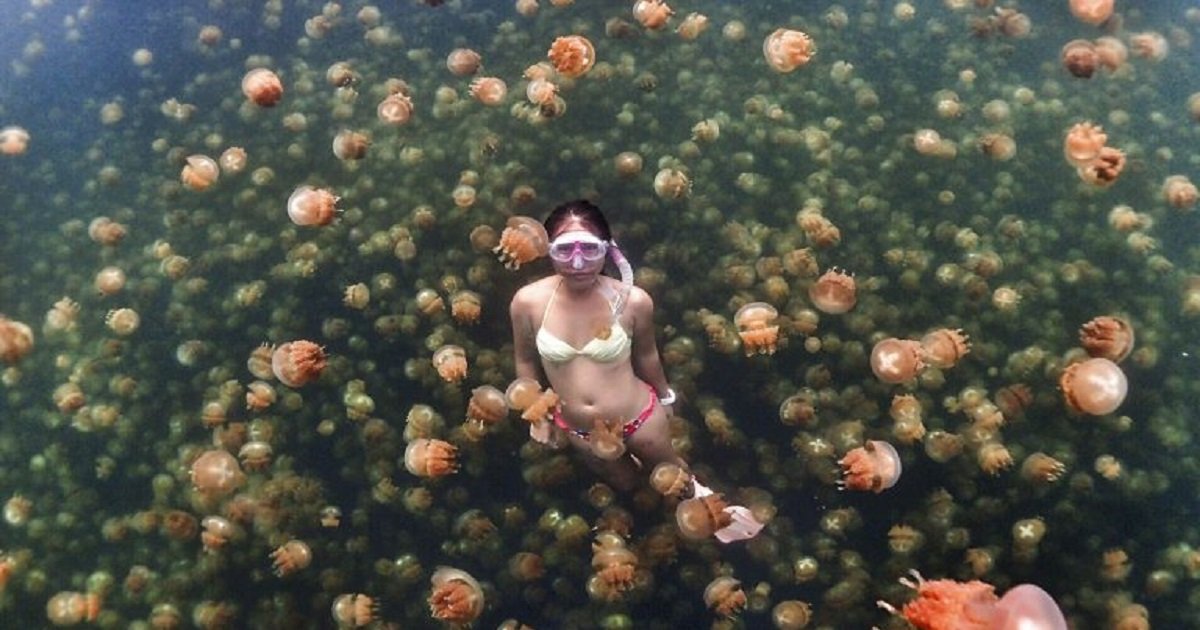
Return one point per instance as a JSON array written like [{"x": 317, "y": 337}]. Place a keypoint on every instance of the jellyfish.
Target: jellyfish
[
  {"x": 873, "y": 466},
  {"x": 425, "y": 457},
  {"x": 522, "y": 241},
  {"x": 572, "y": 55},
  {"x": 1095, "y": 386},
  {"x": 786, "y": 49},
  {"x": 450, "y": 361},
  {"x": 262, "y": 87},
  {"x": 757, "y": 336},
  {"x": 457, "y": 597},
  {"x": 951, "y": 605}
]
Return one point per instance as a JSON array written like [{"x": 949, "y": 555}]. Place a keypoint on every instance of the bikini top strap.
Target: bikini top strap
[{"x": 546, "y": 310}]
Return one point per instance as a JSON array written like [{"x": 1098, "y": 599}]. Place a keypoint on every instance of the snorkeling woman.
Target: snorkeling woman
[{"x": 592, "y": 337}]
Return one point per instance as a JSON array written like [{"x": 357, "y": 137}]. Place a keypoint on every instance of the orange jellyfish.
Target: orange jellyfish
[
  {"x": 13, "y": 140},
  {"x": 1095, "y": 386},
  {"x": 354, "y": 610},
  {"x": 1108, "y": 337},
  {"x": 572, "y": 55},
  {"x": 16, "y": 340},
  {"x": 614, "y": 565},
  {"x": 1093, "y": 12},
  {"x": 1079, "y": 58},
  {"x": 396, "y": 109},
  {"x": 874, "y": 466},
  {"x": 463, "y": 62},
  {"x": 350, "y": 145},
  {"x": 522, "y": 241},
  {"x": 487, "y": 405},
  {"x": 541, "y": 92},
  {"x": 292, "y": 556},
  {"x": 68, "y": 608},
  {"x": 465, "y": 306},
  {"x": 895, "y": 361},
  {"x": 607, "y": 439},
  {"x": 1083, "y": 143},
  {"x": 1105, "y": 169},
  {"x": 297, "y": 363},
  {"x": 834, "y": 292},
  {"x": 450, "y": 361},
  {"x": 652, "y": 14},
  {"x": 670, "y": 479},
  {"x": 426, "y": 457},
  {"x": 457, "y": 597},
  {"x": 489, "y": 90},
  {"x": 200, "y": 172},
  {"x": 1179, "y": 191},
  {"x": 232, "y": 160},
  {"x": 943, "y": 347},
  {"x": 752, "y": 321},
  {"x": 262, "y": 87},
  {"x": 786, "y": 49},
  {"x": 1111, "y": 52},
  {"x": 216, "y": 473},
  {"x": 701, "y": 517},
  {"x": 216, "y": 532},
  {"x": 724, "y": 595},
  {"x": 950, "y": 605},
  {"x": 312, "y": 206}
]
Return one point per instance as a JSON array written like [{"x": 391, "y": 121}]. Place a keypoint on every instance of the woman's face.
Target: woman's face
[{"x": 583, "y": 252}]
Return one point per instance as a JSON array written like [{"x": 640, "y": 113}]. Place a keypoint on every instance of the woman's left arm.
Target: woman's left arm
[{"x": 646, "y": 362}]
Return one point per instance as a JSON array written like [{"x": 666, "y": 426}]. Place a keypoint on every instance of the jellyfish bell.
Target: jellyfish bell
[
  {"x": 13, "y": 140},
  {"x": 216, "y": 473},
  {"x": 490, "y": 91},
  {"x": 262, "y": 87},
  {"x": 425, "y": 457},
  {"x": 522, "y": 241},
  {"x": 395, "y": 109},
  {"x": 786, "y": 49},
  {"x": 463, "y": 62},
  {"x": 652, "y": 14},
  {"x": 200, "y": 172},
  {"x": 572, "y": 55},
  {"x": 951, "y": 605},
  {"x": 1095, "y": 386},
  {"x": 309, "y": 206},
  {"x": 896, "y": 361},
  {"x": 1107, "y": 336},
  {"x": 1079, "y": 57},
  {"x": 294, "y": 555},
  {"x": 450, "y": 361},
  {"x": 297, "y": 363},
  {"x": 874, "y": 466},
  {"x": 350, "y": 145},
  {"x": 1093, "y": 12},
  {"x": 835, "y": 292},
  {"x": 753, "y": 320},
  {"x": 456, "y": 598},
  {"x": 671, "y": 480}
]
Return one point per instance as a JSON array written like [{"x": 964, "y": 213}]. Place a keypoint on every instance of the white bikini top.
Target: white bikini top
[{"x": 606, "y": 350}]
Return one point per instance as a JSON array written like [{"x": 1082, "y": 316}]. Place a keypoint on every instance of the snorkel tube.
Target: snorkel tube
[{"x": 626, "y": 270}]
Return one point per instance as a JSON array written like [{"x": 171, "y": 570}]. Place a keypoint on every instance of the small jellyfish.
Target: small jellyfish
[
  {"x": 1095, "y": 386},
  {"x": 13, "y": 140},
  {"x": 701, "y": 517},
  {"x": 652, "y": 14},
  {"x": 522, "y": 241},
  {"x": 349, "y": 145},
  {"x": 200, "y": 172},
  {"x": 297, "y": 363},
  {"x": 395, "y": 110},
  {"x": 262, "y": 87},
  {"x": 232, "y": 160},
  {"x": 216, "y": 532},
  {"x": 425, "y": 457},
  {"x": 670, "y": 480},
  {"x": 786, "y": 49},
  {"x": 614, "y": 567},
  {"x": 753, "y": 320},
  {"x": 724, "y": 595},
  {"x": 874, "y": 466},
  {"x": 834, "y": 292},
  {"x": 457, "y": 597},
  {"x": 1180, "y": 192},
  {"x": 1083, "y": 143},
  {"x": 488, "y": 90},
  {"x": 1093, "y": 12},
  {"x": 1105, "y": 169},
  {"x": 16, "y": 340},
  {"x": 450, "y": 361},
  {"x": 607, "y": 439},
  {"x": 487, "y": 405},
  {"x": 68, "y": 608},
  {"x": 1079, "y": 58},
  {"x": 572, "y": 55},
  {"x": 1108, "y": 337},
  {"x": 465, "y": 306},
  {"x": 292, "y": 556},
  {"x": 255, "y": 455},
  {"x": 354, "y": 610},
  {"x": 895, "y": 361},
  {"x": 123, "y": 321},
  {"x": 672, "y": 183},
  {"x": 944, "y": 347},
  {"x": 312, "y": 206},
  {"x": 463, "y": 62},
  {"x": 216, "y": 473}
]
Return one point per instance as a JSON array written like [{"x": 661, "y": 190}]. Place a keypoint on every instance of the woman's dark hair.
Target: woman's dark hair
[{"x": 584, "y": 211}]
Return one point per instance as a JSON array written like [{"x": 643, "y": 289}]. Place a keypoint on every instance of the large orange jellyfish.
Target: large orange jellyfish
[
  {"x": 522, "y": 241},
  {"x": 950, "y": 605},
  {"x": 786, "y": 49},
  {"x": 873, "y": 466},
  {"x": 572, "y": 55},
  {"x": 297, "y": 363},
  {"x": 457, "y": 597}
]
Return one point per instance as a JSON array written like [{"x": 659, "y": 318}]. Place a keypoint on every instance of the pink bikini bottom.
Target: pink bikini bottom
[{"x": 627, "y": 430}]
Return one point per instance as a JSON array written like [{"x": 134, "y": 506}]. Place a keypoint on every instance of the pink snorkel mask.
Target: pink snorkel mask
[{"x": 580, "y": 247}]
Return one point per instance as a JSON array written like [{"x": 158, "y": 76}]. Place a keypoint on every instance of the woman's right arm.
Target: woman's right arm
[{"x": 525, "y": 356}]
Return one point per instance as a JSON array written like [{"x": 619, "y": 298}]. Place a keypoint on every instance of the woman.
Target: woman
[{"x": 593, "y": 338}]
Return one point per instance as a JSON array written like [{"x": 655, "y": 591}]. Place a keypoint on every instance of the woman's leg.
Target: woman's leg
[
  {"x": 621, "y": 473},
  {"x": 651, "y": 443}
]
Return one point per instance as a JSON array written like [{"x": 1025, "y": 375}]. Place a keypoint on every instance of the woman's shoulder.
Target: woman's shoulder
[{"x": 533, "y": 293}]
